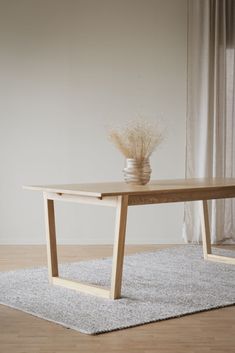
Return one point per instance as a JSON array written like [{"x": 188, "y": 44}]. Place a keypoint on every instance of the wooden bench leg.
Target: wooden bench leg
[
  {"x": 51, "y": 239},
  {"x": 119, "y": 247},
  {"x": 206, "y": 238}
]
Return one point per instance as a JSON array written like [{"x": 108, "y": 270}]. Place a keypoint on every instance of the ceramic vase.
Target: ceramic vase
[{"x": 137, "y": 172}]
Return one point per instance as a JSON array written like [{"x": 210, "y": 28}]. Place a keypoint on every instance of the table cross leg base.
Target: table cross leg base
[
  {"x": 206, "y": 238},
  {"x": 121, "y": 204}
]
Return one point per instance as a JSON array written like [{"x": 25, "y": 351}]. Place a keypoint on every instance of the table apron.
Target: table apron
[
  {"x": 146, "y": 199},
  {"x": 110, "y": 201},
  {"x": 180, "y": 196}
]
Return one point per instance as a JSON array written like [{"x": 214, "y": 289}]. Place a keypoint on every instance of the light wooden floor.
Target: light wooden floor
[{"x": 21, "y": 333}]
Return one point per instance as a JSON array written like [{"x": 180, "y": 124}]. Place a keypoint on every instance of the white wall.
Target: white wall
[{"x": 67, "y": 68}]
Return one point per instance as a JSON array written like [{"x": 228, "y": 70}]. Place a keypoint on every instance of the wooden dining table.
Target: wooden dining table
[{"x": 121, "y": 195}]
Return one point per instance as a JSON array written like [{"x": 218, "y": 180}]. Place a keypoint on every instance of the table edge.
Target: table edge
[{"x": 131, "y": 193}]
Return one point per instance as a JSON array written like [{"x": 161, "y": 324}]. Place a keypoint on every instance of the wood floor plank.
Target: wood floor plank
[{"x": 211, "y": 331}]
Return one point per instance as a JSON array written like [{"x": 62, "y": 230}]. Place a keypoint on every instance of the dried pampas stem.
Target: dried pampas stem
[{"x": 137, "y": 139}]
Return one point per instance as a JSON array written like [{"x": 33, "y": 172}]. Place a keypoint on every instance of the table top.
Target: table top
[{"x": 120, "y": 188}]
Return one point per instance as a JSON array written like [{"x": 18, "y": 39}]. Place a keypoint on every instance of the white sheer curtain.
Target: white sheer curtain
[{"x": 210, "y": 146}]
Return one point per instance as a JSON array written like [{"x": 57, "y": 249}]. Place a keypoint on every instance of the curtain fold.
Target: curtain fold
[{"x": 210, "y": 135}]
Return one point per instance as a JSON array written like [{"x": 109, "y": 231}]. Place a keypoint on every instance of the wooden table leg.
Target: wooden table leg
[
  {"x": 205, "y": 224},
  {"x": 119, "y": 247},
  {"x": 121, "y": 204},
  {"x": 206, "y": 238},
  {"x": 51, "y": 239}
]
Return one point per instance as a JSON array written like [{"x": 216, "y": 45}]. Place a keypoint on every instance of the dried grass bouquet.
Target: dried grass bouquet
[{"x": 137, "y": 139}]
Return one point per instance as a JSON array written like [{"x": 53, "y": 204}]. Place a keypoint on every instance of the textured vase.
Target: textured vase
[{"x": 137, "y": 172}]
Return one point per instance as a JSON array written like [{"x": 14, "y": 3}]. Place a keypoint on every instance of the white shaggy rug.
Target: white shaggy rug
[{"x": 156, "y": 286}]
